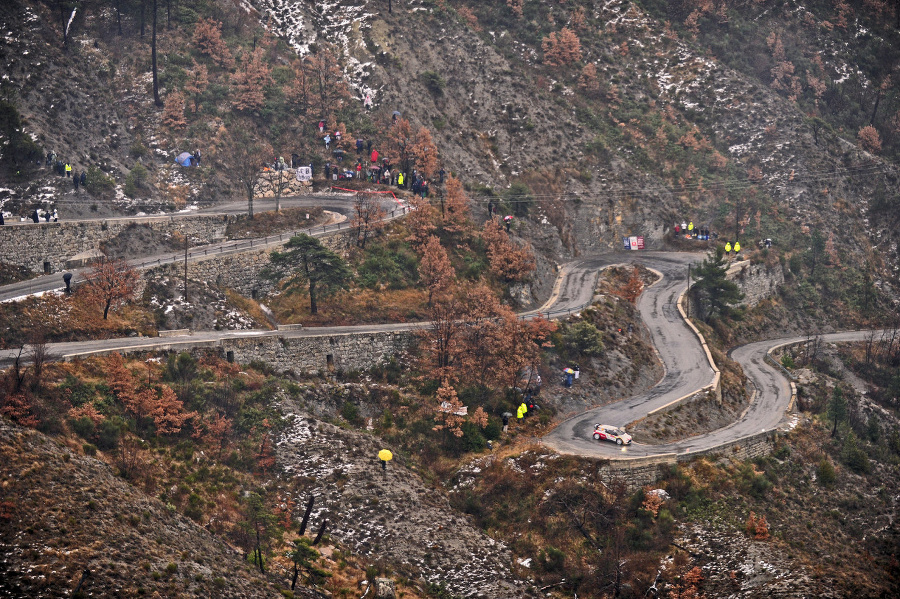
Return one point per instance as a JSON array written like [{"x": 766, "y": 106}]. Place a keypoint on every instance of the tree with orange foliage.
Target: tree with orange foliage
[
  {"x": 88, "y": 411},
  {"x": 398, "y": 149},
  {"x": 652, "y": 501},
  {"x": 757, "y": 527},
  {"x": 454, "y": 206},
  {"x": 449, "y": 409},
  {"x": 18, "y": 408},
  {"x": 508, "y": 261},
  {"x": 689, "y": 585},
  {"x": 120, "y": 379},
  {"x": 420, "y": 222},
  {"x": 518, "y": 345},
  {"x": 251, "y": 80},
  {"x": 561, "y": 49},
  {"x": 173, "y": 114},
  {"x": 435, "y": 270},
  {"x": 425, "y": 153},
  {"x": 579, "y": 18},
  {"x": 110, "y": 283},
  {"x": 869, "y": 140},
  {"x": 265, "y": 458},
  {"x": 469, "y": 17},
  {"x": 216, "y": 432},
  {"x": 368, "y": 216},
  {"x": 474, "y": 339},
  {"x": 158, "y": 403},
  {"x": 516, "y": 6},
  {"x": 588, "y": 82},
  {"x": 442, "y": 336},
  {"x": 474, "y": 355},
  {"x": 208, "y": 38},
  {"x": 197, "y": 84},
  {"x": 167, "y": 411},
  {"x": 633, "y": 287}
]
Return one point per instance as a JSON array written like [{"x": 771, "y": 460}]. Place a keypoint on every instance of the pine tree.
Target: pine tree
[
  {"x": 208, "y": 38},
  {"x": 561, "y": 49},
  {"x": 837, "y": 409},
  {"x": 307, "y": 263},
  {"x": 712, "y": 294},
  {"x": 250, "y": 82}
]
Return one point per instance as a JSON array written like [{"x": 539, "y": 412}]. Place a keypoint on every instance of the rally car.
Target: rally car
[{"x": 603, "y": 432}]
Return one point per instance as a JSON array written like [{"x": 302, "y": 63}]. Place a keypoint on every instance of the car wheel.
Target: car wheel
[
  {"x": 618, "y": 441},
  {"x": 596, "y": 436}
]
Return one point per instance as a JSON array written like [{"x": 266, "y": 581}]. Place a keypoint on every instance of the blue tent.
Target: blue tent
[{"x": 185, "y": 159}]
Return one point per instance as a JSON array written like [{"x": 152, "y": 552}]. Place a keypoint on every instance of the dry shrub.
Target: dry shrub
[{"x": 757, "y": 527}]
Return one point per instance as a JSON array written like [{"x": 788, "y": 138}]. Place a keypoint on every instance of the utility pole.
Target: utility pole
[
  {"x": 687, "y": 295},
  {"x": 185, "y": 266}
]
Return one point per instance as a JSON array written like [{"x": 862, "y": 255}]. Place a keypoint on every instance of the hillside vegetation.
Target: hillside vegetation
[{"x": 581, "y": 122}]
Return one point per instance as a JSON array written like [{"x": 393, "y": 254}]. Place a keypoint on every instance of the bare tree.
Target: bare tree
[
  {"x": 368, "y": 216},
  {"x": 247, "y": 163},
  {"x": 111, "y": 282},
  {"x": 39, "y": 354},
  {"x": 279, "y": 181}
]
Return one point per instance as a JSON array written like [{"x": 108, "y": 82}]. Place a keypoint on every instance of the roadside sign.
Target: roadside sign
[
  {"x": 633, "y": 242},
  {"x": 304, "y": 173}
]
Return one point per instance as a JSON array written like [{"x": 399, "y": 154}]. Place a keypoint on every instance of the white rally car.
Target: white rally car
[{"x": 604, "y": 432}]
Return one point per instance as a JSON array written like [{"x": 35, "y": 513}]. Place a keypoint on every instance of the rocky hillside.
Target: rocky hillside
[
  {"x": 63, "y": 514},
  {"x": 664, "y": 129},
  {"x": 638, "y": 119}
]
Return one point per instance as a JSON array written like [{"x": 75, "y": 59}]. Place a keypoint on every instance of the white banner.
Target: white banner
[{"x": 304, "y": 173}]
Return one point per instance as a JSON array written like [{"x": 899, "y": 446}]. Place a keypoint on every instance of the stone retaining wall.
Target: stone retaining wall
[
  {"x": 748, "y": 448},
  {"x": 638, "y": 472},
  {"x": 267, "y": 185},
  {"x": 320, "y": 354},
  {"x": 43, "y": 247},
  {"x": 312, "y": 355},
  {"x": 756, "y": 281}
]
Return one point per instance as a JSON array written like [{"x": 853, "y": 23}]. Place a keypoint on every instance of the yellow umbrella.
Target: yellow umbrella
[{"x": 384, "y": 455}]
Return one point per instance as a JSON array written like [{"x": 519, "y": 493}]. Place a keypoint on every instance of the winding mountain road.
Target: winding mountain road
[{"x": 687, "y": 368}]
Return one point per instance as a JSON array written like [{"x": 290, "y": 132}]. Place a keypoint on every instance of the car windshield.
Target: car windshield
[{"x": 617, "y": 431}]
